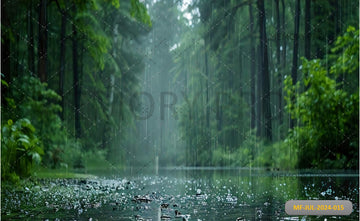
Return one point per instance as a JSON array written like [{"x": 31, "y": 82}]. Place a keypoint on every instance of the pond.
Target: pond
[{"x": 180, "y": 194}]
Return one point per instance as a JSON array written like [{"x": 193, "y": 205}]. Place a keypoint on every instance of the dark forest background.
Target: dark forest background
[{"x": 114, "y": 84}]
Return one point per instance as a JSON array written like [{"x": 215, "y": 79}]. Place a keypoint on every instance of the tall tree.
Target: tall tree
[
  {"x": 207, "y": 82},
  {"x": 43, "y": 32},
  {"x": 308, "y": 29},
  {"x": 295, "y": 49},
  {"x": 283, "y": 31},
  {"x": 278, "y": 61},
  {"x": 31, "y": 53},
  {"x": 62, "y": 61},
  {"x": 207, "y": 103},
  {"x": 252, "y": 68},
  {"x": 5, "y": 42},
  {"x": 264, "y": 65},
  {"x": 76, "y": 79}
]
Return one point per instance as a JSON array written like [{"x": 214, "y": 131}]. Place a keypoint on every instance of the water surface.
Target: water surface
[{"x": 197, "y": 193}]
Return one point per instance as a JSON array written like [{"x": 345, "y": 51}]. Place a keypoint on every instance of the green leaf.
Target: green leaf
[
  {"x": 3, "y": 82},
  {"x": 35, "y": 157},
  {"x": 138, "y": 11}
]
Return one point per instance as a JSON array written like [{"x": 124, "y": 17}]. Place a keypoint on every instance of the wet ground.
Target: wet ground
[{"x": 174, "y": 194}]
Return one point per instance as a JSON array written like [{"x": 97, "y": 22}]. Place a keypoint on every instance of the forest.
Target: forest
[{"x": 115, "y": 84}]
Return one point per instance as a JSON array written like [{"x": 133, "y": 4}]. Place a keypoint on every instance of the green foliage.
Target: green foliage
[
  {"x": 138, "y": 11},
  {"x": 327, "y": 136},
  {"x": 95, "y": 40},
  {"x": 242, "y": 156},
  {"x": 20, "y": 149},
  {"x": 40, "y": 105},
  {"x": 106, "y": 32},
  {"x": 8, "y": 33},
  {"x": 222, "y": 157},
  {"x": 239, "y": 158},
  {"x": 71, "y": 155},
  {"x": 115, "y": 3},
  {"x": 208, "y": 58},
  {"x": 255, "y": 153},
  {"x": 36, "y": 102},
  {"x": 284, "y": 155},
  {"x": 95, "y": 159},
  {"x": 346, "y": 53}
]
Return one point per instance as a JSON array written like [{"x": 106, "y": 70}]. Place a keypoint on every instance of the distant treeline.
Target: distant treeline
[{"x": 273, "y": 84}]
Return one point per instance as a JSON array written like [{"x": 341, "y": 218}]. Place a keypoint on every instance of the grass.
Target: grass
[{"x": 61, "y": 174}]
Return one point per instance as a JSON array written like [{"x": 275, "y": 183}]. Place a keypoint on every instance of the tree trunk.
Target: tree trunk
[
  {"x": 76, "y": 82},
  {"x": 252, "y": 68},
  {"x": 259, "y": 117},
  {"x": 107, "y": 125},
  {"x": 265, "y": 70},
  {"x": 335, "y": 21},
  {"x": 295, "y": 51},
  {"x": 62, "y": 62},
  {"x": 283, "y": 29},
  {"x": 42, "y": 64},
  {"x": 207, "y": 84},
  {"x": 111, "y": 93},
  {"x": 5, "y": 46},
  {"x": 5, "y": 55},
  {"x": 31, "y": 54},
  {"x": 308, "y": 29},
  {"x": 278, "y": 62},
  {"x": 207, "y": 105}
]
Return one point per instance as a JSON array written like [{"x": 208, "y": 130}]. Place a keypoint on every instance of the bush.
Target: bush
[
  {"x": 28, "y": 98},
  {"x": 223, "y": 157},
  {"x": 284, "y": 155},
  {"x": 95, "y": 159},
  {"x": 328, "y": 114},
  {"x": 20, "y": 149},
  {"x": 71, "y": 155}
]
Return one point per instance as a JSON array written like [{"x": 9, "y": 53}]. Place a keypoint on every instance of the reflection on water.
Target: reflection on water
[
  {"x": 228, "y": 194},
  {"x": 192, "y": 194}
]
